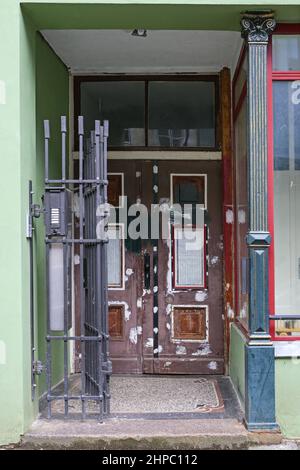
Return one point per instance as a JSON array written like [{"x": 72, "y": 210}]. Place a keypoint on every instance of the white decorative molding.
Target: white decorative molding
[{"x": 160, "y": 155}]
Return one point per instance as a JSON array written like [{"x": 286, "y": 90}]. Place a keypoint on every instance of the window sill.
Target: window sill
[{"x": 287, "y": 348}]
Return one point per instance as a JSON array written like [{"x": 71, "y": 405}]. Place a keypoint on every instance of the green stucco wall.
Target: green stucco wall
[
  {"x": 287, "y": 384},
  {"x": 11, "y": 293},
  {"x": 22, "y": 107},
  {"x": 287, "y": 380},
  {"x": 237, "y": 360}
]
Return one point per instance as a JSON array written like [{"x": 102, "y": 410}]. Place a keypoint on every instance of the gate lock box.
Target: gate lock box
[{"x": 58, "y": 219}]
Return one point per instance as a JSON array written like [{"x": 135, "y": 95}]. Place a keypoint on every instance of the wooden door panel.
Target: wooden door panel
[
  {"x": 190, "y": 324},
  {"x": 202, "y": 354},
  {"x": 125, "y": 311}
]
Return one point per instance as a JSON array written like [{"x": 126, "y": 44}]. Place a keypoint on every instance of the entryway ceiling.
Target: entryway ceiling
[{"x": 162, "y": 51}]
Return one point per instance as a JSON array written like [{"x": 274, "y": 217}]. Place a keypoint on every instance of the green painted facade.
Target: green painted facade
[
  {"x": 287, "y": 381},
  {"x": 34, "y": 86},
  {"x": 237, "y": 360}
]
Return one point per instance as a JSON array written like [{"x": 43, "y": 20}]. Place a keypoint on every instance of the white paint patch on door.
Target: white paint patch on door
[
  {"x": 2, "y": 92},
  {"x": 204, "y": 351},
  {"x": 230, "y": 312},
  {"x": 201, "y": 296},
  {"x": 129, "y": 272},
  {"x": 133, "y": 335},
  {"x": 158, "y": 350},
  {"x": 169, "y": 309},
  {"x": 214, "y": 260},
  {"x": 180, "y": 350},
  {"x": 139, "y": 330},
  {"x": 139, "y": 303},
  {"x": 241, "y": 216},
  {"x": 212, "y": 365},
  {"x": 229, "y": 216},
  {"x": 149, "y": 343}
]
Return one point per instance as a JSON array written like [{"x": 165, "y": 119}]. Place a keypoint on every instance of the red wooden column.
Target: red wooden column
[{"x": 228, "y": 204}]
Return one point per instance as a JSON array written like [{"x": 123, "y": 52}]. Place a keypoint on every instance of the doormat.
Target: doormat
[
  {"x": 138, "y": 395},
  {"x": 165, "y": 395}
]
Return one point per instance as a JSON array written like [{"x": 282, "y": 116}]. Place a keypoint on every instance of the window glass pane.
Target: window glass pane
[
  {"x": 182, "y": 114},
  {"x": 122, "y": 103},
  {"x": 241, "y": 80},
  {"x": 114, "y": 257},
  {"x": 287, "y": 205},
  {"x": 189, "y": 257},
  {"x": 286, "y": 52},
  {"x": 286, "y": 102},
  {"x": 240, "y": 132}
]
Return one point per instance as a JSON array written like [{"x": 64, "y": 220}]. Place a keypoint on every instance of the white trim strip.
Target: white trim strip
[{"x": 160, "y": 155}]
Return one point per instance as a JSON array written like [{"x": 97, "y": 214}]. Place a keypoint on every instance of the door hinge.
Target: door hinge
[{"x": 38, "y": 367}]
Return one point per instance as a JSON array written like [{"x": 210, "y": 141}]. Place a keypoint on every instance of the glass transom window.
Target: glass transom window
[{"x": 154, "y": 113}]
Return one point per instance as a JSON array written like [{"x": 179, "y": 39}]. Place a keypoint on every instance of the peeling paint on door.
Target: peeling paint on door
[
  {"x": 212, "y": 365},
  {"x": 133, "y": 335},
  {"x": 201, "y": 296},
  {"x": 229, "y": 216},
  {"x": 180, "y": 350},
  {"x": 149, "y": 343},
  {"x": 203, "y": 351},
  {"x": 230, "y": 312}
]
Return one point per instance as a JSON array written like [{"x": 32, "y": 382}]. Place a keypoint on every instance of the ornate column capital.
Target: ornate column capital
[{"x": 256, "y": 27}]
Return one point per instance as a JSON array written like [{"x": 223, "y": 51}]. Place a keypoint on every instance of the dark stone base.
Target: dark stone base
[{"x": 260, "y": 388}]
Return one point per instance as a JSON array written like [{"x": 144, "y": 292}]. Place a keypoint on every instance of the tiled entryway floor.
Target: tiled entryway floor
[{"x": 157, "y": 397}]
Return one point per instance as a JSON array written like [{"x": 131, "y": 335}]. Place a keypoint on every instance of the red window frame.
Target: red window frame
[
  {"x": 205, "y": 266},
  {"x": 289, "y": 29}
]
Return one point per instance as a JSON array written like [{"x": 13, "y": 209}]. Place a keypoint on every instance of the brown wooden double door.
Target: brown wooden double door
[{"x": 165, "y": 295}]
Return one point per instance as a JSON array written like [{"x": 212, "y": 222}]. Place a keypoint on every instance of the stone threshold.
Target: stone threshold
[{"x": 144, "y": 434}]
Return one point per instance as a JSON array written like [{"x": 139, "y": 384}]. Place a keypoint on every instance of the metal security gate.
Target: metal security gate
[{"x": 90, "y": 192}]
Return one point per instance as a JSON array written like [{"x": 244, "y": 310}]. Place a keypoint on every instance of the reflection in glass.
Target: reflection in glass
[
  {"x": 122, "y": 103},
  {"x": 189, "y": 257},
  {"x": 182, "y": 114},
  {"x": 114, "y": 256},
  {"x": 286, "y": 52}
]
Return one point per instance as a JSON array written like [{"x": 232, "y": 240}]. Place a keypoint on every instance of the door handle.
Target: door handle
[{"x": 146, "y": 271}]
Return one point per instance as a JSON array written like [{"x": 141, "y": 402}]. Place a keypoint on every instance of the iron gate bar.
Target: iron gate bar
[
  {"x": 92, "y": 184},
  {"x": 31, "y": 294}
]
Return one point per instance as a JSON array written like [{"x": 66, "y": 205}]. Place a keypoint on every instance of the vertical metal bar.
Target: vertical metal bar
[
  {"x": 46, "y": 148},
  {"x": 98, "y": 280},
  {"x": 49, "y": 352},
  {"x": 82, "y": 290},
  {"x": 63, "y": 123},
  {"x": 105, "y": 336},
  {"x": 66, "y": 380},
  {"x": 32, "y": 329}
]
